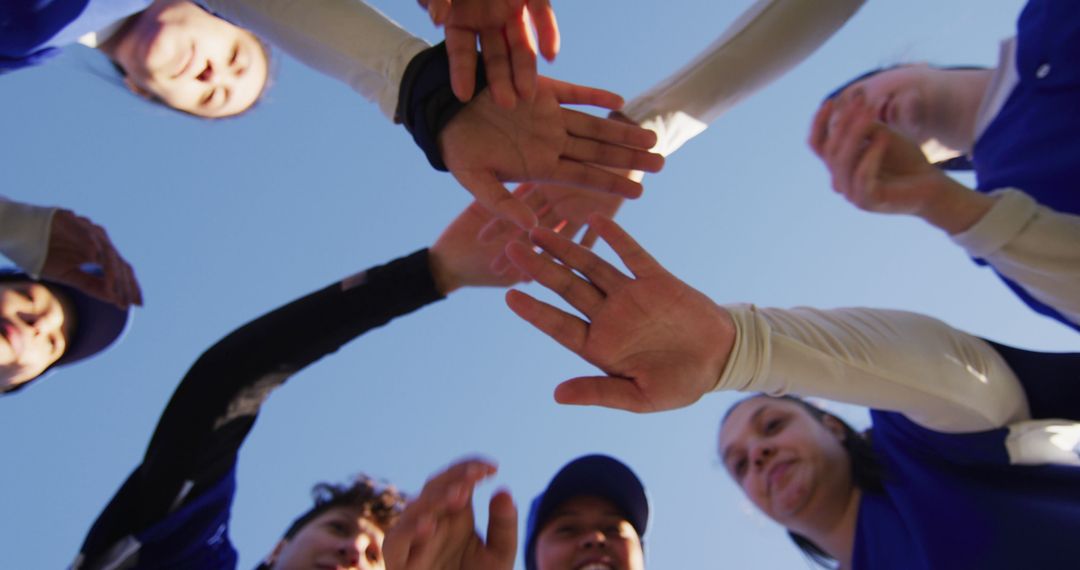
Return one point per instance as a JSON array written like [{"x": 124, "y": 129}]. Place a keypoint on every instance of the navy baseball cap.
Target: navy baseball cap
[
  {"x": 98, "y": 324},
  {"x": 593, "y": 476}
]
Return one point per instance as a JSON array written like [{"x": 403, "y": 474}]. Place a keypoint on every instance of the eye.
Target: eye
[
  {"x": 235, "y": 54},
  {"x": 566, "y": 530},
  {"x": 338, "y": 527},
  {"x": 773, "y": 425},
  {"x": 740, "y": 468},
  {"x": 206, "y": 99}
]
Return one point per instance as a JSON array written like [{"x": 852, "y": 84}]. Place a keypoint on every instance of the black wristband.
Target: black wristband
[{"x": 426, "y": 102}]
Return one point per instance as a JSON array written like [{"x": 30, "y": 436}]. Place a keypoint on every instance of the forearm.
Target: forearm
[
  {"x": 939, "y": 377},
  {"x": 765, "y": 42},
  {"x": 346, "y": 39},
  {"x": 24, "y": 234},
  {"x": 1034, "y": 246}
]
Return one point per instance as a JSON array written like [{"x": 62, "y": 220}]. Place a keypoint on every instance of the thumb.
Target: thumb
[
  {"x": 606, "y": 391},
  {"x": 502, "y": 530}
]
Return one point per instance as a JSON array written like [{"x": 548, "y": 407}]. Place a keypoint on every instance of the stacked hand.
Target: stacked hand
[
  {"x": 485, "y": 145},
  {"x": 502, "y": 28},
  {"x": 76, "y": 243},
  {"x": 878, "y": 170},
  {"x": 437, "y": 532},
  {"x": 661, "y": 343}
]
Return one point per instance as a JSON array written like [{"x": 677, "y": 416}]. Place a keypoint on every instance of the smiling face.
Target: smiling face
[
  {"x": 790, "y": 465},
  {"x": 34, "y": 330},
  {"x": 191, "y": 60},
  {"x": 338, "y": 539},
  {"x": 588, "y": 533}
]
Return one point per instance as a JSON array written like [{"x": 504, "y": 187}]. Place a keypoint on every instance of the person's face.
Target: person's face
[
  {"x": 34, "y": 329},
  {"x": 588, "y": 533},
  {"x": 339, "y": 539},
  {"x": 790, "y": 465},
  {"x": 901, "y": 98},
  {"x": 193, "y": 61}
]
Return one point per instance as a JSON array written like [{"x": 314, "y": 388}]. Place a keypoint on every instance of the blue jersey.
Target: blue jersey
[
  {"x": 1032, "y": 143},
  {"x": 960, "y": 501},
  {"x": 31, "y": 31}
]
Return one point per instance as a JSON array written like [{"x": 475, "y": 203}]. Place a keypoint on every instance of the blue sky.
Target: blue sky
[{"x": 226, "y": 220}]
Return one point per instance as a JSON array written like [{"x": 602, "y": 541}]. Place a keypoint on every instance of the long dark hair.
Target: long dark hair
[{"x": 866, "y": 470}]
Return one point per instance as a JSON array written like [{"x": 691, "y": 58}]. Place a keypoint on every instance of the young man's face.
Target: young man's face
[
  {"x": 588, "y": 533},
  {"x": 339, "y": 539}
]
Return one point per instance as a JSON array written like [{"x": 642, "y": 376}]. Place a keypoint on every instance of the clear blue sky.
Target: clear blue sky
[{"x": 226, "y": 220}]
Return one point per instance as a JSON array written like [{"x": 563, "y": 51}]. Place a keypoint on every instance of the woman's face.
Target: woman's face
[
  {"x": 192, "y": 61},
  {"x": 901, "y": 97},
  {"x": 34, "y": 330},
  {"x": 790, "y": 465},
  {"x": 339, "y": 538},
  {"x": 588, "y": 533}
]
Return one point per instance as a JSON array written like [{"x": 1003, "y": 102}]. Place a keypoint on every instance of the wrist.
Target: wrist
[
  {"x": 956, "y": 207},
  {"x": 445, "y": 280}
]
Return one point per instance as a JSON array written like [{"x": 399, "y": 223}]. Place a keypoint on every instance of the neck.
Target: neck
[
  {"x": 957, "y": 100},
  {"x": 835, "y": 534}
]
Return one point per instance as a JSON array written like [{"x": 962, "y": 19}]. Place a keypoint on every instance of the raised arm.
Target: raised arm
[
  {"x": 766, "y": 41},
  {"x": 194, "y": 447},
  {"x": 663, "y": 345}
]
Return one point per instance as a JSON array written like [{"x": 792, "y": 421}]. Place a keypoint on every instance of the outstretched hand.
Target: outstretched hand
[
  {"x": 878, "y": 170},
  {"x": 506, "y": 41},
  {"x": 563, "y": 209},
  {"x": 485, "y": 145},
  {"x": 661, "y": 343},
  {"x": 437, "y": 530},
  {"x": 459, "y": 258},
  {"x": 76, "y": 243}
]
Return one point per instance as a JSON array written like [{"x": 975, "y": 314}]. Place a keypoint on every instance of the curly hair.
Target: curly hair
[{"x": 379, "y": 503}]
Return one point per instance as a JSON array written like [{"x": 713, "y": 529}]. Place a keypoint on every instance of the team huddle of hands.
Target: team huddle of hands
[{"x": 659, "y": 343}]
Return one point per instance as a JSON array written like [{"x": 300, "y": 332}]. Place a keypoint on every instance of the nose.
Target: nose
[
  {"x": 762, "y": 453},
  {"x": 594, "y": 539},
  {"x": 364, "y": 553}
]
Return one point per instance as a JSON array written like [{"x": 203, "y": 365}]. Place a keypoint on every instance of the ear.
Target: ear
[
  {"x": 834, "y": 426},
  {"x": 271, "y": 558}
]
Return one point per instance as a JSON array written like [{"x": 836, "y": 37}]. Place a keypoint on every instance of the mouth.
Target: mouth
[
  {"x": 13, "y": 336},
  {"x": 777, "y": 474},
  {"x": 596, "y": 565}
]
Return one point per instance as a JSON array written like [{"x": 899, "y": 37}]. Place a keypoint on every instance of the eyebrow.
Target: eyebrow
[{"x": 753, "y": 420}]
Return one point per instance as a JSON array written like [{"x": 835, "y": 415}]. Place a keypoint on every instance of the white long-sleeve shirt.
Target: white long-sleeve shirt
[
  {"x": 766, "y": 41},
  {"x": 24, "y": 234}
]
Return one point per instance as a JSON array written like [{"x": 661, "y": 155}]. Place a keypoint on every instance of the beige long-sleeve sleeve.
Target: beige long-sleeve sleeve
[
  {"x": 1035, "y": 246},
  {"x": 766, "y": 41},
  {"x": 345, "y": 39},
  {"x": 24, "y": 234},
  {"x": 940, "y": 377}
]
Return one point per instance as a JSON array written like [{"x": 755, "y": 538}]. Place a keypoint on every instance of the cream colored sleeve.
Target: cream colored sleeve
[
  {"x": 24, "y": 234},
  {"x": 1035, "y": 246},
  {"x": 761, "y": 45},
  {"x": 345, "y": 39},
  {"x": 937, "y": 376}
]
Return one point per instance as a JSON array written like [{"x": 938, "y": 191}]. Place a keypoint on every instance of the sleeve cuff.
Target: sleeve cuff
[
  {"x": 1012, "y": 211},
  {"x": 24, "y": 234}
]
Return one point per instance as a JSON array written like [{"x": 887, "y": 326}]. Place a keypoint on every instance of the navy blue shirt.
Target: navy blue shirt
[{"x": 1033, "y": 143}]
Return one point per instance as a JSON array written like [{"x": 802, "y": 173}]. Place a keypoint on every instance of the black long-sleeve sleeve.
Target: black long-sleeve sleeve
[{"x": 213, "y": 409}]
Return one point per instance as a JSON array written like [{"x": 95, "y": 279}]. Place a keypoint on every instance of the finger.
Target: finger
[
  {"x": 547, "y": 29},
  {"x": 461, "y": 50},
  {"x": 438, "y": 10},
  {"x": 497, "y": 61},
  {"x": 137, "y": 297},
  {"x": 605, "y": 154},
  {"x": 606, "y": 391},
  {"x": 599, "y": 272},
  {"x": 110, "y": 266},
  {"x": 604, "y": 130},
  {"x": 561, "y": 326},
  {"x": 589, "y": 239},
  {"x": 583, "y": 175},
  {"x": 90, "y": 284},
  {"x": 412, "y": 528},
  {"x": 132, "y": 293},
  {"x": 574, "y": 94},
  {"x": 502, "y": 529},
  {"x": 522, "y": 56},
  {"x": 493, "y": 195},
  {"x": 819, "y": 128},
  {"x": 581, "y": 294},
  {"x": 864, "y": 179},
  {"x": 636, "y": 259},
  {"x": 850, "y": 148}
]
